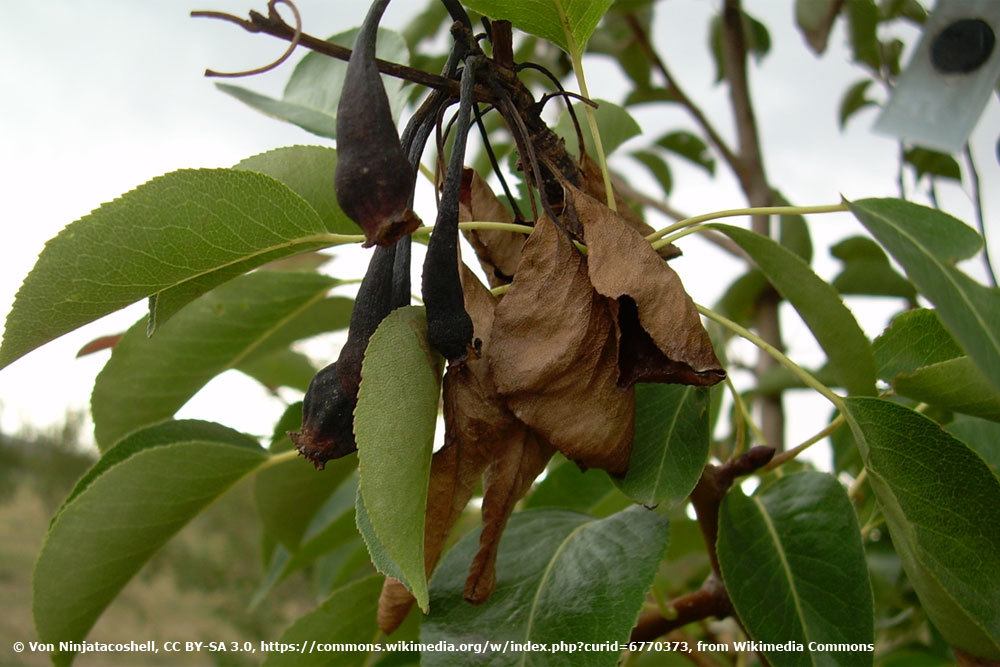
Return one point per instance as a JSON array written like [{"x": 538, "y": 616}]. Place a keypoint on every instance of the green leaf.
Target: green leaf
[
  {"x": 793, "y": 231},
  {"x": 914, "y": 339},
  {"x": 739, "y": 302},
  {"x": 982, "y": 437},
  {"x": 149, "y": 379},
  {"x": 308, "y": 172},
  {"x": 289, "y": 494},
  {"x": 651, "y": 95},
  {"x": 346, "y": 617},
  {"x": 567, "y": 23},
  {"x": 657, "y": 167},
  {"x": 615, "y": 38},
  {"x": 942, "y": 507},
  {"x": 553, "y": 570},
  {"x": 955, "y": 384},
  {"x": 854, "y": 100},
  {"x": 862, "y": 22},
  {"x": 933, "y": 163},
  {"x": 670, "y": 448},
  {"x": 193, "y": 228},
  {"x": 792, "y": 560},
  {"x": 281, "y": 368},
  {"x": 617, "y": 127},
  {"x": 586, "y": 491},
  {"x": 689, "y": 146},
  {"x": 313, "y": 91},
  {"x": 867, "y": 270},
  {"x": 394, "y": 424},
  {"x": 814, "y": 19},
  {"x": 135, "y": 498},
  {"x": 927, "y": 242},
  {"x": 818, "y": 304},
  {"x": 758, "y": 41},
  {"x": 425, "y": 25}
]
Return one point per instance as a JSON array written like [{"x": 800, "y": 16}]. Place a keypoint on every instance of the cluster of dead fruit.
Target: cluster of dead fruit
[{"x": 550, "y": 366}]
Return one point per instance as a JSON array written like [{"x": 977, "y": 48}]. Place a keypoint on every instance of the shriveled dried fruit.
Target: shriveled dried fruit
[
  {"x": 449, "y": 327},
  {"x": 374, "y": 179},
  {"x": 662, "y": 338},
  {"x": 554, "y": 352},
  {"x": 328, "y": 407},
  {"x": 498, "y": 251}
]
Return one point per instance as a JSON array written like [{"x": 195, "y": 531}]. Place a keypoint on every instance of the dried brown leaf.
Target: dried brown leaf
[
  {"x": 498, "y": 252},
  {"x": 592, "y": 183},
  {"x": 554, "y": 352},
  {"x": 508, "y": 478},
  {"x": 99, "y": 344},
  {"x": 662, "y": 338}
]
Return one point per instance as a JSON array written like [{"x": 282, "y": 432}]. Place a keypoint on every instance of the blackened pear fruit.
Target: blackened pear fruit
[
  {"x": 374, "y": 180},
  {"x": 327, "y": 431},
  {"x": 449, "y": 327}
]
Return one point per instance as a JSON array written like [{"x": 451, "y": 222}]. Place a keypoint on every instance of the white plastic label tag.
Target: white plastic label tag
[{"x": 942, "y": 93}]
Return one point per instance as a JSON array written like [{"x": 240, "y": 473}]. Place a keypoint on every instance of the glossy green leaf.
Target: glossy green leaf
[
  {"x": 586, "y": 491},
  {"x": 758, "y": 41},
  {"x": 982, "y": 437},
  {"x": 194, "y": 227},
  {"x": 814, "y": 19},
  {"x": 927, "y": 242},
  {"x": 955, "y": 384},
  {"x": 867, "y": 270},
  {"x": 149, "y": 379},
  {"x": 658, "y": 167},
  {"x": 553, "y": 570},
  {"x": 670, "y": 447},
  {"x": 308, "y": 171},
  {"x": 394, "y": 424},
  {"x": 136, "y": 498},
  {"x": 926, "y": 162},
  {"x": 862, "y": 22},
  {"x": 346, "y": 617},
  {"x": 942, "y": 506},
  {"x": 818, "y": 304},
  {"x": 567, "y": 23},
  {"x": 312, "y": 94},
  {"x": 689, "y": 146},
  {"x": 854, "y": 100},
  {"x": 792, "y": 561},
  {"x": 281, "y": 368},
  {"x": 616, "y": 124}
]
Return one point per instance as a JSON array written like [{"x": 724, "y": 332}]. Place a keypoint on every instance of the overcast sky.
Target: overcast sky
[{"x": 101, "y": 96}]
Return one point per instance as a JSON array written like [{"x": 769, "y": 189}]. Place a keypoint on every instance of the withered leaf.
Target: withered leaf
[
  {"x": 554, "y": 351},
  {"x": 509, "y": 476},
  {"x": 592, "y": 183},
  {"x": 498, "y": 252},
  {"x": 662, "y": 338}
]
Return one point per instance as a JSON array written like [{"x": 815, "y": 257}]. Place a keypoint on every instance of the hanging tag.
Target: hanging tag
[{"x": 942, "y": 93}]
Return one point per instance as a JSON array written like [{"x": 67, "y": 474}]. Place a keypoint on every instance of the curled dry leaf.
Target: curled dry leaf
[
  {"x": 662, "y": 338},
  {"x": 554, "y": 355},
  {"x": 498, "y": 252},
  {"x": 592, "y": 183}
]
